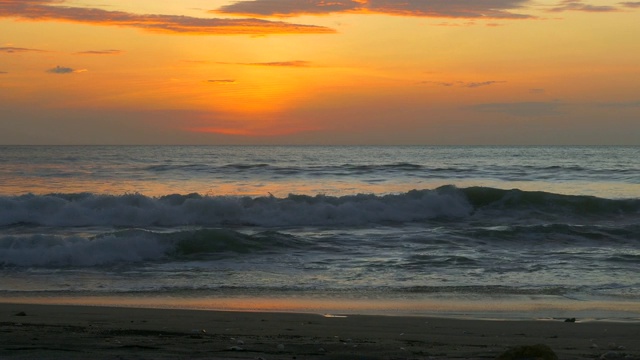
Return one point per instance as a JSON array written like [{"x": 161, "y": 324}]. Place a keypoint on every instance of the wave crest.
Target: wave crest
[{"x": 133, "y": 210}]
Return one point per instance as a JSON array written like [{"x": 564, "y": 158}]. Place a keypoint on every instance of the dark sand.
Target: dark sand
[{"x": 87, "y": 332}]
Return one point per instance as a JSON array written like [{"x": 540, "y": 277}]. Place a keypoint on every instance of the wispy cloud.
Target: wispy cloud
[
  {"x": 472, "y": 84},
  {"x": 100, "y": 52},
  {"x": 221, "y": 81},
  {"x": 10, "y": 49},
  {"x": 291, "y": 63},
  {"x": 631, "y": 4},
  {"x": 468, "y": 23},
  {"x": 522, "y": 108},
  {"x": 579, "y": 5},
  {"x": 3, "y": 72},
  {"x": 61, "y": 70},
  {"x": 294, "y": 63},
  {"x": 54, "y": 10},
  {"x": 474, "y": 9},
  {"x": 481, "y": 83}
]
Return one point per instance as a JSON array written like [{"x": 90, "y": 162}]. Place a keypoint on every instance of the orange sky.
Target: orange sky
[{"x": 320, "y": 72}]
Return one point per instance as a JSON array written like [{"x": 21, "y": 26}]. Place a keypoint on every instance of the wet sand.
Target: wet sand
[{"x": 92, "y": 332}]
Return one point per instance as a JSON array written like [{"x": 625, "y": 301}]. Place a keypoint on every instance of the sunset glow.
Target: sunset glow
[{"x": 316, "y": 72}]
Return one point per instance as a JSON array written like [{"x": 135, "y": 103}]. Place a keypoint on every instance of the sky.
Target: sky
[{"x": 435, "y": 72}]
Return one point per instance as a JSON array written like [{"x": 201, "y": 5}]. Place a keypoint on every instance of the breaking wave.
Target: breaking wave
[
  {"x": 132, "y": 246},
  {"x": 448, "y": 202},
  {"x": 92, "y": 230}
]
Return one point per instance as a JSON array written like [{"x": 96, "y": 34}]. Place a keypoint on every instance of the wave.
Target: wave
[
  {"x": 61, "y": 251},
  {"x": 483, "y": 198},
  {"x": 174, "y": 210},
  {"x": 508, "y": 172},
  {"x": 135, "y": 245},
  {"x": 449, "y": 249},
  {"x": 308, "y": 170},
  {"x": 444, "y": 203},
  {"x": 621, "y": 233}
]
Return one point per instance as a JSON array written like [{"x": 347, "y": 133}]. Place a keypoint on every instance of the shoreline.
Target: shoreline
[
  {"x": 453, "y": 306},
  {"x": 76, "y": 332}
]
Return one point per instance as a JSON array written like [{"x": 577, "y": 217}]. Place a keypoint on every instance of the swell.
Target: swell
[
  {"x": 621, "y": 233},
  {"x": 483, "y": 198},
  {"x": 508, "y": 172}
]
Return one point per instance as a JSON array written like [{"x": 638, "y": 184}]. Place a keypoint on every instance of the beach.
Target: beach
[{"x": 29, "y": 331}]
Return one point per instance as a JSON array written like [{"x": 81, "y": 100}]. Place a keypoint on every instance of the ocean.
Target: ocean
[{"x": 490, "y": 232}]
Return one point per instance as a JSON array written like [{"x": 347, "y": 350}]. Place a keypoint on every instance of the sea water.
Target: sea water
[{"x": 498, "y": 231}]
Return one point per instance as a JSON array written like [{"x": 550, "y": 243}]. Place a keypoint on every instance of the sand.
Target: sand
[{"x": 92, "y": 332}]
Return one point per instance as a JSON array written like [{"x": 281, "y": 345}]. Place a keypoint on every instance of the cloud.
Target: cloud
[
  {"x": 468, "y": 23},
  {"x": 470, "y": 9},
  {"x": 64, "y": 70},
  {"x": 51, "y": 10},
  {"x": 288, "y": 7},
  {"x": 292, "y": 63},
  {"x": 578, "y": 5},
  {"x": 60, "y": 70},
  {"x": 631, "y": 4},
  {"x": 100, "y": 52},
  {"x": 222, "y": 81},
  {"x": 10, "y": 49},
  {"x": 463, "y": 83},
  {"x": 3, "y": 72},
  {"x": 482, "y": 83},
  {"x": 537, "y": 91},
  {"x": 521, "y": 108}
]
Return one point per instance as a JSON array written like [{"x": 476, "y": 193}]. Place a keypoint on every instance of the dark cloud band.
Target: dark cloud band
[
  {"x": 100, "y": 52},
  {"x": 10, "y": 49},
  {"x": 43, "y": 10},
  {"x": 579, "y": 5},
  {"x": 471, "y": 9}
]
